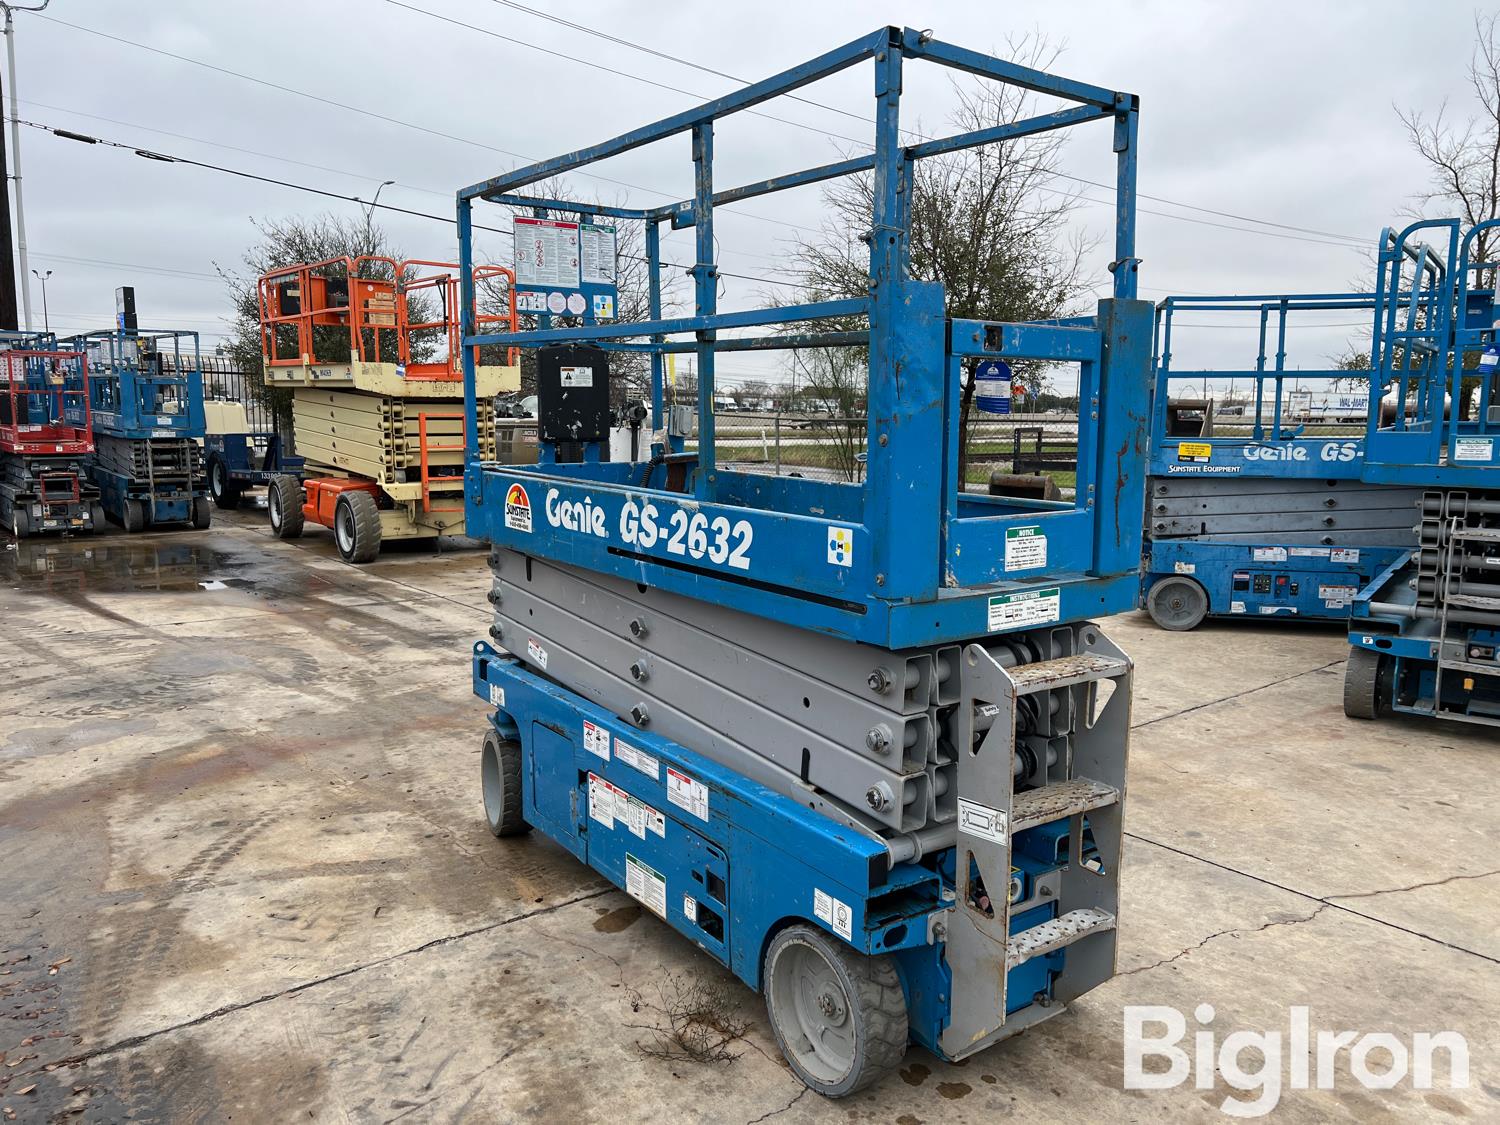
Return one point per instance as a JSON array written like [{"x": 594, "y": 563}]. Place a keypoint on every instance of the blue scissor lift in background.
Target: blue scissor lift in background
[
  {"x": 1425, "y": 633},
  {"x": 1257, "y": 506},
  {"x": 857, "y": 742},
  {"x": 146, "y": 393}
]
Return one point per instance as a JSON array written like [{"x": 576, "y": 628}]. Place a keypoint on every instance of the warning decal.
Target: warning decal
[
  {"x": 834, "y": 913},
  {"x": 596, "y": 740},
  {"x": 1194, "y": 452},
  {"x": 638, "y": 759},
  {"x": 981, "y": 820},
  {"x": 646, "y": 885},
  {"x": 687, "y": 793}
]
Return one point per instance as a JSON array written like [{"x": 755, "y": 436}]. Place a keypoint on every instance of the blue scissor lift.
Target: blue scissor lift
[
  {"x": 1425, "y": 633},
  {"x": 1258, "y": 507},
  {"x": 146, "y": 391},
  {"x": 857, "y": 742}
]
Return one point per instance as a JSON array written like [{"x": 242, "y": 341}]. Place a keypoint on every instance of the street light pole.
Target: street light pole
[
  {"x": 46, "y": 320},
  {"x": 15, "y": 150},
  {"x": 370, "y": 213}
]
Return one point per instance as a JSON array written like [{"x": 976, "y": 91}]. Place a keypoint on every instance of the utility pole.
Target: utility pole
[
  {"x": 46, "y": 320},
  {"x": 8, "y": 319},
  {"x": 15, "y": 150}
]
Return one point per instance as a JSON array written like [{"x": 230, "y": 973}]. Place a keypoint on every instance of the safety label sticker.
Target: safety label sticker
[
  {"x": 638, "y": 759},
  {"x": 1309, "y": 552},
  {"x": 536, "y": 653},
  {"x": 611, "y": 806},
  {"x": 1344, "y": 554},
  {"x": 1025, "y": 548},
  {"x": 1236, "y": 607},
  {"x": 687, "y": 793},
  {"x": 575, "y": 377},
  {"x": 497, "y": 696},
  {"x": 1473, "y": 449},
  {"x": 1185, "y": 567},
  {"x": 1337, "y": 597},
  {"x": 596, "y": 740},
  {"x": 690, "y": 907},
  {"x": 1194, "y": 452},
  {"x": 1268, "y": 554},
  {"x": 981, "y": 820},
  {"x": 834, "y": 913},
  {"x": 646, "y": 885},
  {"x": 1030, "y": 607}
]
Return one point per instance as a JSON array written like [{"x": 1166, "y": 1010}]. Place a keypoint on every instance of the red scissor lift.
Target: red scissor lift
[{"x": 46, "y": 442}]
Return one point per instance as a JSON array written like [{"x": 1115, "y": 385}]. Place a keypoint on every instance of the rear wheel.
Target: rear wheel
[
  {"x": 96, "y": 517},
  {"x": 356, "y": 527},
  {"x": 1177, "y": 604},
  {"x": 839, "y": 1016},
  {"x": 500, "y": 775},
  {"x": 1366, "y": 683},
  {"x": 133, "y": 515},
  {"x": 20, "y": 522},
  {"x": 284, "y": 505},
  {"x": 226, "y": 492},
  {"x": 203, "y": 513}
]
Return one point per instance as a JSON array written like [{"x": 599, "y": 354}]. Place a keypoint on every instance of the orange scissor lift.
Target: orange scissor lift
[{"x": 377, "y": 395}]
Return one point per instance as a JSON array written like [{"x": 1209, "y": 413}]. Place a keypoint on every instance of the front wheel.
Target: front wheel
[
  {"x": 1177, "y": 604},
  {"x": 839, "y": 1016},
  {"x": 202, "y": 514},
  {"x": 284, "y": 505},
  {"x": 1366, "y": 683},
  {"x": 133, "y": 515},
  {"x": 20, "y": 522},
  {"x": 356, "y": 527},
  {"x": 500, "y": 777}
]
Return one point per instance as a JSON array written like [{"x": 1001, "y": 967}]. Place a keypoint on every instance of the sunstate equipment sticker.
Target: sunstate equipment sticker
[{"x": 518, "y": 509}]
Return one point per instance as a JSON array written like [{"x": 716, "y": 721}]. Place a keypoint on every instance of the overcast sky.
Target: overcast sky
[{"x": 1275, "y": 112}]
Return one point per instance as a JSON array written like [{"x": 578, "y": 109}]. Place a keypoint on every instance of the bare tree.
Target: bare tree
[
  {"x": 297, "y": 241},
  {"x": 989, "y": 223},
  {"x": 832, "y": 383},
  {"x": 1463, "y": 156}
]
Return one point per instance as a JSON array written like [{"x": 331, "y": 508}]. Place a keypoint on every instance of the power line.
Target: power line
[
  {"x": 612, "y": 70},
  {"x": 381, "y": 116},
  {"x": 167, "y": 158},
  {"x": 870, "y": 120}
]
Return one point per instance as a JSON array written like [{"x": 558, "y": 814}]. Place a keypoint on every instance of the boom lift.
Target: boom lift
[
  {"x": 1425, "y": 632},
  {"x": 46, "y": 442},
  {"x": 146, "y": 396},
  {"x": 1256, "y": 506},
  {"x": 375, "y": 398},
  {"x": 860, "y": 743}
]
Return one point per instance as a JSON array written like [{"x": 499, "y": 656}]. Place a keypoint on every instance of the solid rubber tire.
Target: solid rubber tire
[
  {"x": 1362, "y": 684},
  {"x": 500, "y": 782},
  {"x": 203, "y": 513},
  {"x": 873, "y": 999},
  {"x": 1177, "y": 604}
]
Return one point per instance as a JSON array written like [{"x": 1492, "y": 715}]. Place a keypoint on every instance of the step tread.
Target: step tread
[
  {"x": 1065, "y": 670},
  {"x": 1054, "y": 802},
  {"x": 1055, "y": 934}
]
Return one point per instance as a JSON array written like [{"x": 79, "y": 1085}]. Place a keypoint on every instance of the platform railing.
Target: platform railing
[{"x": 912, "y": 529}]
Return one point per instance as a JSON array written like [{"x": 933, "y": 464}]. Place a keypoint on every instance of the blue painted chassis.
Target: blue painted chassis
[
  {"x": 245, "y": 464},
  {"x": 762, "y": 852},
  {"x": 122, "y": 385}
]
